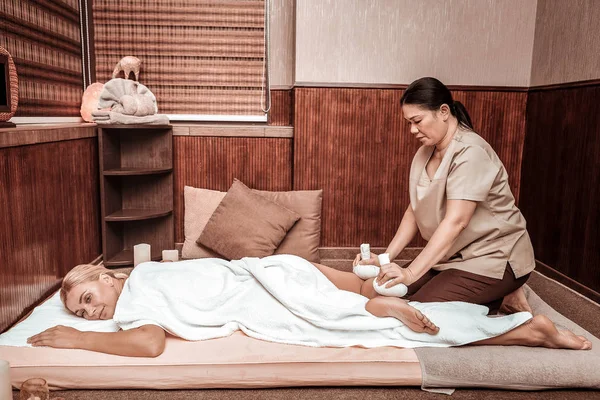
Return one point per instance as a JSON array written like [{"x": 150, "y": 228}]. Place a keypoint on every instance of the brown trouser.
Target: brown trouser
[{"x": 457, "y": 285}]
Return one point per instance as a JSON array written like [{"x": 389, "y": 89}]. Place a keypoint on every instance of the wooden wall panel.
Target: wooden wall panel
[
  {"x": 49, "y": 221},
  {"x": 561, "y": 180},
  {"x": 499, "y": 117},
  {"x": 351, "y": 144},
  {"x": 213, "y": 162},
  {"x": 282, "y": 107},
  {"x": 355, "y": 145}
]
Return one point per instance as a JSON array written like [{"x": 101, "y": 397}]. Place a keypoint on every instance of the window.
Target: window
[
  {"x": 44, "y": 39},
  {"x": 199, "y": 57}
]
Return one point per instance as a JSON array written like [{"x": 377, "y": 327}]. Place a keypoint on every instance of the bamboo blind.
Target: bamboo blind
[
  {"x": 44, "y": 39},
  {"x": 198, "y": 56}
]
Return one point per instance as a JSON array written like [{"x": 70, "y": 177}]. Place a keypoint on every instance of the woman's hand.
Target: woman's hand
[
  {"x": 60, "y": 337},
  {"x": 373, "y": 260},
  {"x": 393, "y": 274}
]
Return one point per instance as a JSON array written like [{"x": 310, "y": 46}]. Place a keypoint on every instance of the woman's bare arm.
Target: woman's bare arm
[
  {"x": 145, "y": 341},
  {"x": 458, "y": 215}
]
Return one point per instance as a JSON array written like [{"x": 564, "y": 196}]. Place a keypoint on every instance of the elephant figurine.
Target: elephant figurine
[{"x": 128, "y": 65}]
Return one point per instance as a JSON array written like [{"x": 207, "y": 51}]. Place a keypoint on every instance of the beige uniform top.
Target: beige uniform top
[{"x": 496, "y": 234}]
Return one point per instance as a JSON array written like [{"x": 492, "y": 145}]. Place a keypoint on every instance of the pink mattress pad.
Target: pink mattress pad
[{"x": 237, "y": 361}]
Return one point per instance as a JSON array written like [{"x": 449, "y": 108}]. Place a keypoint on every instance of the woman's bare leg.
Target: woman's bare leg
[
  {"x": 348, "y": 281},
  {"x": 539, "y": 332},
  {"x": 380, "y": 306}
]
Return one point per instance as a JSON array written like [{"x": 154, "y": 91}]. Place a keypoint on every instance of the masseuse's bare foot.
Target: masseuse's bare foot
[
  {"x": 515, "y": 302},
  {"x": 545, "y": 334},
  {"x": 399, "y": 309}
]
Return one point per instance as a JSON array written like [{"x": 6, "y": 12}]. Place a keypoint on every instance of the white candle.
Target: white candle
[
  {"x": 170, "y": 255},
  {"x": 141, "y": 253},
  {"x": 5, "y": 386}
]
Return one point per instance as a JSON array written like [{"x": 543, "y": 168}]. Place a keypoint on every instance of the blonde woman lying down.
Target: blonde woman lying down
[{"x": 279, "y": 298}]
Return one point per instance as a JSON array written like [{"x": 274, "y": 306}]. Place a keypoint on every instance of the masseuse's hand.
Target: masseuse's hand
[
  {"x": 394, "y": 274},
  {"x": 373, "y": 260},
  {"x": 60, "y": 337}
]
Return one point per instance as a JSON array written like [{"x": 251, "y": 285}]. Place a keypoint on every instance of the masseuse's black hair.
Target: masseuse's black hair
[{"x": 430, "y": 94}]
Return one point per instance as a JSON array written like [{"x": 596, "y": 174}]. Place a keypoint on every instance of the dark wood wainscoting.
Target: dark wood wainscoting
[
  {"x": 213, "y": 162},
  {"x": 282, "y": 107},
  {"x": 354, "y": 144},
  {"x": 49, "y": 221},
  {"x": 560, "y": 195},
  {"x": 499, "y": 117}
]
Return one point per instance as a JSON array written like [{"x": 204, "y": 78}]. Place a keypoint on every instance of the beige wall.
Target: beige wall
[
  {"x": 282, "y": 43},
  {"x": 462, "y": 42},
  {"x": 567, "y": 43}
]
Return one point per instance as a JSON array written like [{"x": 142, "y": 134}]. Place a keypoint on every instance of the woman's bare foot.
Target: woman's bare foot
[
  {"x": 546, "y": 335},
  {"x": 539, "y": 332},
  {"x": 515, "y": 302},
  {"x": 399, "y": 309}
]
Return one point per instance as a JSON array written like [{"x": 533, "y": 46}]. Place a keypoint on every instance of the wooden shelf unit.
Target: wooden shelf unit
[{"x": 136, "y": 189}]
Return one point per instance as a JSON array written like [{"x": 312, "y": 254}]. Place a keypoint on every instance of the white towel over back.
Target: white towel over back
[{"x": 284, "y": 299}]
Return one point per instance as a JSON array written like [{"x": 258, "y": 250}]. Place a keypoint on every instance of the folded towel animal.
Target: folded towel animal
[
  {"x": 123, "y": 101},
  {"x": 111, "y": 117}
]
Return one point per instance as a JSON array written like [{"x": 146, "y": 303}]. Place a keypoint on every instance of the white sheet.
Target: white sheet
[
  {"x": 47, "y": 315},
  {"x": 284, "y": 299}
]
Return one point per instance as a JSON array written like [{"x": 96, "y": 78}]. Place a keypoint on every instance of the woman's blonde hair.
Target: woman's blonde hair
[{"x": 85, "y": 273}]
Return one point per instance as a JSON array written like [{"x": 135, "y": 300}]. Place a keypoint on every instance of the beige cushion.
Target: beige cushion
[
  {"x": 302, "y": 240},
  {"x": 246, "y": 224},
  {"x": 200, "y": 204},
  {"x": 305, "y": 236}
]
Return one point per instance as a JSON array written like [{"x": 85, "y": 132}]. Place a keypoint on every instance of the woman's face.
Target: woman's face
[
  {"x": 429, "y": 127},
  {"x": 94, "y": 300}
]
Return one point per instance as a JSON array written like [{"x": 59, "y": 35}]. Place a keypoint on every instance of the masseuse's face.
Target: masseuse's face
[
  {"x": 94, "y": 300},
  {"x": 429, "y": 127}
]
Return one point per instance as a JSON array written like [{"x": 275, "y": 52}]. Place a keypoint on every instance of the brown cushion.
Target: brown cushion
[
  {"x": 246, "y": 224},
  {"x": 302, "y": 240},
  {"x": 305, "y": 236},
  {"x": 200, "y": 204}
]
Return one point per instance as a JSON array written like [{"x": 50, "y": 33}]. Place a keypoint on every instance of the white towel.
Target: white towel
[{"x": 284, "y": 299}]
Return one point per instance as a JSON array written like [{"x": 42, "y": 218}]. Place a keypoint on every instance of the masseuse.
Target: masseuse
[{"x": 478, "y": 249}]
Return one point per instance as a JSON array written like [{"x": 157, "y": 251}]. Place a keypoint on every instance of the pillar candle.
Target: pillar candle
[
  {"x": 170, "y": 255},
  {"x": 5, "y": 386},
  {"x": 141, "y": 253}
]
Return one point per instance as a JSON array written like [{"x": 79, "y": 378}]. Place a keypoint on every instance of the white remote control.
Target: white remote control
[
  {"x": 365, "y": 271},
  {"x": 398, "y": 290}
]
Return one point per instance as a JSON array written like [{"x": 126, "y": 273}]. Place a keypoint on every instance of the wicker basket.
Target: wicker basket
[{"x": 13, "y": 87}]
